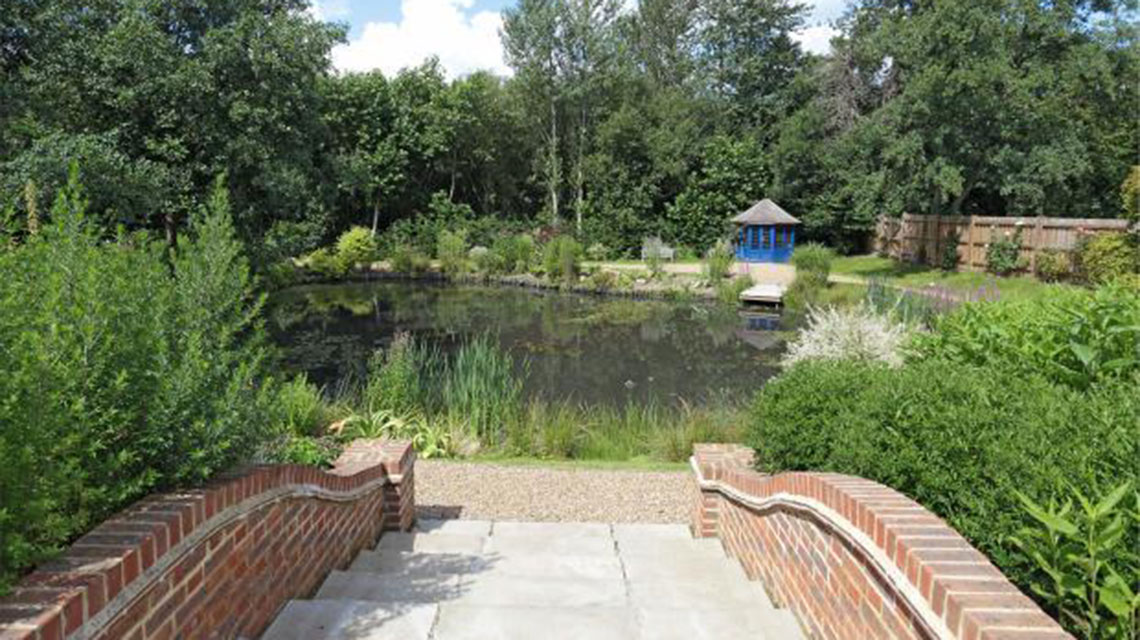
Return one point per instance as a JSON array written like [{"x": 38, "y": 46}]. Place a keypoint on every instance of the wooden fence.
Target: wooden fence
[{"x": 922, "y": 239}]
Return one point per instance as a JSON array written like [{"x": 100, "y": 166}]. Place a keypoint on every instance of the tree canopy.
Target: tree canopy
[{"x": 615, "y": 124}]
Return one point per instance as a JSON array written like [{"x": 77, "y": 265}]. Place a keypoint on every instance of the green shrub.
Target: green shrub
[
  {"x": 514, "y": 252},
  {"x": 394, "y": 377},
  {"x": 949, "y": 259},
  {"x": 960, "y": 440},
  {"x": 301, "y": 407},
  {"x": 1003, "y": 255},
  {"x": 598, "y": 252},
  {"x": 487, "y": 262},
  {"x": 718, "y": 261},
  {"x": 409, "y": 260},
  {"x": 813, "y": 263},
  {"x": 124, "y": 372},
  {"x": 451, "y": 249},
  {"x": 562, "y": 258},
  {"x": 1107, "y": 256},
  {"x": 1084, "y": 574},
  {"x": 307, "y": 450},
  {"x": 1130, "y": 194},
  {"x": 357, "y": 246},
  {"x": 1053, "y": 265},
  {"x": 325, "y": 263},
  {"x": 602, "y": 280},
  {"x": 1073, "y": 337}
]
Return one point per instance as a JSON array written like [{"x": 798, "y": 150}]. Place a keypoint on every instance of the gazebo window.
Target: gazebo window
[
  {"x": 755, "y": 237},
  {"x": 767, "y": 233},
  {"x": 780, "y": 237}
]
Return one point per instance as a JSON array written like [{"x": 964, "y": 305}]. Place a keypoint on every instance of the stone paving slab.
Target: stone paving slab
[
  {"x": 647, "y": 567},
  {"x": 706, "y": 624},
  {"x": 520, "y": 565},
  {"x": 432, "y": 542},
  {"x": 629, "y": 533},
  {"x": 351, "y": 620},
  {"x": 709, "y": 593},
  {"x": 541, "y": 592},
  {"x": 351, "y": 585},
  {"x": 560, "y": 530},
  {"x": 507, "y": 544},
  {"x": 672, "y": 548},
  {"x": 462, "y": 527},
  {"x": 466, "y": 622},
  {"x": 420, "y": 564}
]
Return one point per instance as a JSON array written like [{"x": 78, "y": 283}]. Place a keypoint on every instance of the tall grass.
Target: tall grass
[{"x": 473, "y": 401}]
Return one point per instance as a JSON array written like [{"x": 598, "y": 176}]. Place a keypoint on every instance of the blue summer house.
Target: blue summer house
[{"x": 765, "y": 233}]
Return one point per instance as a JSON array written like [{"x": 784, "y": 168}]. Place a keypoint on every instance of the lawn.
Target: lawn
[{"x": 913, "y": 276}]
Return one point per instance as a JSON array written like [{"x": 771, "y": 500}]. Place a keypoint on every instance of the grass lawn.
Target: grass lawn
[{"x": 918, "y": 276}]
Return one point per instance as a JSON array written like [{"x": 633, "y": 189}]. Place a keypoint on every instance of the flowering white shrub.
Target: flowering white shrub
[{"x": 854, "y": 333}]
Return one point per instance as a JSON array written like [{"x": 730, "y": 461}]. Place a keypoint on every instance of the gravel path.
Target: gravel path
[{"x": 501, "y": 492}]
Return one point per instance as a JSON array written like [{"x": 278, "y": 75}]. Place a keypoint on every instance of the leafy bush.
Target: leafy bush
[
  {"x": 598, "y": 252},
  {"x": 124, "y": 372},
  {"x": 654, "y": 251},
  {"x": 515, "y": 252},
  {"x": 355, "y": 247},
  {"x": 1053, "y": 265},
  {"x": 853, "y": 333},
  {"x": 718, "y": 261},
  {"x": 407, "y": 259},
  {"x": 300, "y": 407},
  {"x": 1130, "y": 194},
  {"x": 1085, "y": 575},
  {"x": 562, "y": 258},
  {"x": 394, "y": 377},
  {"x": 949, "y": 259},
  {"x": 911, "y": 308},
  {"x": 486, "y": 262},
  {"x": 960, "y": 440},
  {"x": 602, "y": 280},
  {"x": 1003, "y": 255},
  {"x": 452, "y": 252},
  {"x": 1073, "y": 337},
  {"x": 307, "y": 450},
  {"x": 325, "y": 263},
  {"x": 813, "y": 263},
  {"x": 1107, "y": 256}
]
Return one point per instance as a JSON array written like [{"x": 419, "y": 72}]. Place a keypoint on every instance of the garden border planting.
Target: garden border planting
[
  {"x": 855, "y": 559},
  {"x": 220, "y": 560}
]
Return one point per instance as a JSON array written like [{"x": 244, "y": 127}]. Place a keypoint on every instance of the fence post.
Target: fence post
[
  {"x": 1038, "y": 239},
  {"x": 970, "y": 245}
]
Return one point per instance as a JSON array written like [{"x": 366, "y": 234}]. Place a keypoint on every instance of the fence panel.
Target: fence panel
[{"x": 922, "y": 238}]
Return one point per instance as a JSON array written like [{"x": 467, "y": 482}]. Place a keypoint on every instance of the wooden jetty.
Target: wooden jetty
[{"x": 766, "y": 294}]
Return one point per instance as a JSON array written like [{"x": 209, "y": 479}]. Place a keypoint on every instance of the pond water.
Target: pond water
[{"x": 581, "y": 348}]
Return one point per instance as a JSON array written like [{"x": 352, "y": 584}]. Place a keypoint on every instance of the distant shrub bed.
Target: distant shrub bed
[
  {"x": 126, "y": 369},
  {"x": 959, "y": 439}
]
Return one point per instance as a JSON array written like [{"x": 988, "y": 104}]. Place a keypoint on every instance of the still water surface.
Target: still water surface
[{"x": 581, "y": 348}]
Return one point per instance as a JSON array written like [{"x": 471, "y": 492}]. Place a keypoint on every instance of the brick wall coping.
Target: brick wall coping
[
  {"x": 951, "y": 589},
  {"x": 99, "y": 576}
]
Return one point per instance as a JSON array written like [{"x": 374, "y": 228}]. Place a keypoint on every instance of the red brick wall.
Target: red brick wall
[
  {"x": 218, "y": 561},
  {"x": 855, "y": 559}
]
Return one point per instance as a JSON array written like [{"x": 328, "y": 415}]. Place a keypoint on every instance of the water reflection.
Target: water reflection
[{"x": 582, "y": 348}]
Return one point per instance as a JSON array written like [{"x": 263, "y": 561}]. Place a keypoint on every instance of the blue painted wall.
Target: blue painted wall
[{"x": 765, "y": 244}]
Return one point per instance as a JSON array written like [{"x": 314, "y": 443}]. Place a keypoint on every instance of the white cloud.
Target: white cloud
[
  {"x": 463, "y": 42},
  {"x": 816, "y": 39},
  {"x": 329, "y": 10}
]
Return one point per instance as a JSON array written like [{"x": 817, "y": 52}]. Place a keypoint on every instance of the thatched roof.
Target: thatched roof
[{"x": 765, "y": 212}]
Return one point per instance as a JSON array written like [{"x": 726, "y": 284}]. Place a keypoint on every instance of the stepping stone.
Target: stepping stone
[
  {"x": 552, "y": 529},
  {"x": 493, "y": 590},
  {"x": 462, "y": 527},
  {"x": 716, "y": 624},
  {"x": 467, "y": 622},
  {"x": 432, "y": 543},
  {"x": 372, "y": 587},
  {"x": 351, "y": 620},
  {"x": 418, "y": 564}
]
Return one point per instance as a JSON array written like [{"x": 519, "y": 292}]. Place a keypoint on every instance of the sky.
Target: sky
[{"x": 393, "y": 34}]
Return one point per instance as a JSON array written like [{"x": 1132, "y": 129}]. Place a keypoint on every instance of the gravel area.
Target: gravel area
[{"x": 502, "y": 492}]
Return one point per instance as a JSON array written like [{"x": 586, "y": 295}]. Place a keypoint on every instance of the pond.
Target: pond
[{"x": 580, "y": 348}]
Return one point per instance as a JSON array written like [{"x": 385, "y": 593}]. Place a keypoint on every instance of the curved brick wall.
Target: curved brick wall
[
  {"x": 218, "y": 561},
  {"x": 855, "y": 559}
]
